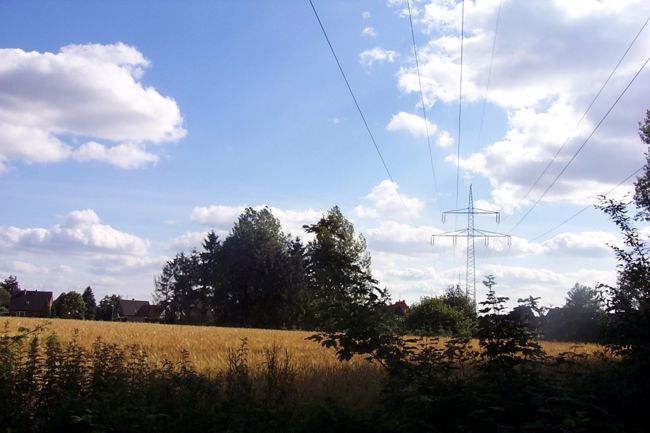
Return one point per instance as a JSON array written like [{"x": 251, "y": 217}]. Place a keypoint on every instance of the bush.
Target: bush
[{"x": 434, "y": 316}]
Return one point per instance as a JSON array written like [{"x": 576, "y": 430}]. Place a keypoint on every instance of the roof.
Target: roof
[
  {"x": 130, "y": 308},
  {"x": 399, "y": 307},
  {"x": 30, "y": 300},
  {"x": 150, "y": 311}
]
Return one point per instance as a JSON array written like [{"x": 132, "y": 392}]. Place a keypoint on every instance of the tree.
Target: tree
[
  {"x": 259, "y": 284},
  {"x": 209, "y": 275},
  {"x": 107, "y": 308},
  {"x": 501, "y": 338},
  {"x": 642, "y": 184},
  {"x": 583, "y": 314},
  {"x": 5, "y": 299},
  {"x": 458, "y": 300},
  {"x": 348, "y": 306},
  {"x": 89, "y": 302},
  {"x": 10, "y": 284},
  {"x": 629, "y": 300},
  {"x": 177, "y": 288},
  {"x": 69, "y": 306},
  {"x": 433, "y": 316}
]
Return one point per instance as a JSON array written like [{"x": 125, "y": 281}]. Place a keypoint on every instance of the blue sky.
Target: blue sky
[{"x": 129, "y": 129}]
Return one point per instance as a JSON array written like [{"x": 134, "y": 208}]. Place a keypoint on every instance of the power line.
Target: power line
[
  {"x": 585, "y": 113},
  {"x": 347, "y": 83},
  {"x": 589, "y": 206},
  {"x": 460, "y": 96},
  {"x": 424, "y": 111},
  {"x": 575, "y": 154},
  {"x": 487, "y": 85}
]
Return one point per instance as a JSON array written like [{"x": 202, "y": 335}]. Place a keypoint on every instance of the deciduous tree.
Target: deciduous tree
[{"x": 70, "y": 306}]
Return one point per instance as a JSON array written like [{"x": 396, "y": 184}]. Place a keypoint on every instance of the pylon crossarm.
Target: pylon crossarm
[
  {"x": 485, "y": 211},
  {"x": 490, "y": 234}
]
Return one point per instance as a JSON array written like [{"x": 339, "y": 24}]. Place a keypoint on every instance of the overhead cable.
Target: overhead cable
[
  {"x": 577, "y": 152},
  {"x": 460, "y": 96},
  {"x": 589, "y": 206},
  {"x": 489, "y": 75},
  {"x": 424, "y": 111},
  {"x": 356, "y": 103},
  {"x": 586, "y": 111}
]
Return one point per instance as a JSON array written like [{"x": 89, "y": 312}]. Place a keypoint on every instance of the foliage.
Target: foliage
[
  {"x": 348, "y": 307},
  {"x": 10, "y": 284},
  {"x": 5, "y": 298},
  {"x": 255, "y": 277},
  {"x": 629, "y": 300},
  {"x": 501, "y": 338},
  {"x": 178, "y": 288},
  {"x": 70, "y": 305},
  {"x": 259, "y": 286},
  {"x": 89, "y": 303},
  {"x": 107, "y": 308},
  {"x": 433, "y": 316},
  {"x": 642, "y": 184}
]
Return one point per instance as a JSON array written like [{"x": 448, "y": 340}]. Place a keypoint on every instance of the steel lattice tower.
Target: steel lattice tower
[{"x": 471, "y": 233}]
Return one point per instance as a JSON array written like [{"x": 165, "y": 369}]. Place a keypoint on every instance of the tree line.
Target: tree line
[
  {"x": 258, "y": 276},
  {"x": 581, "y": 318},
  {"x": 68, "y": 305}
]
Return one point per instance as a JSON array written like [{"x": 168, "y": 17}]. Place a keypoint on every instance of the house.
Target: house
[
  {"x": 30, "y": 303},
  {"x": 149, "y": 313},
  {"x": 399, "y": 308},
  {"x": 127, "y": 309}
]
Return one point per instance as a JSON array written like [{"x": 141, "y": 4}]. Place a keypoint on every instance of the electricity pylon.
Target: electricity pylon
[{"x": 471, "y": 233}]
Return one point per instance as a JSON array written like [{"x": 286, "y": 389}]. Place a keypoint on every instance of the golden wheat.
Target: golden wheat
[
  {"x": 316, "y": 368},
  {"x": 317, "y": 371}
]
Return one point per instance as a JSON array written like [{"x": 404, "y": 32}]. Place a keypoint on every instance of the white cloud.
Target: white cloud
[
  {"x": 412, "y": 123},
  {"x": 50, "y": 100},
  {"x": 365, "y": 15},
  {"x": 223, "y": 217},
  {"x": 219, "y": 216},
  {"x": 584, "y": 244},
  {"x": 123, "y": 155},
  {"x": 369, "y": 31},
  {"x": 444, "y": 139},
  {"x": 377, "y": 55},
  {"x": 82, "y": 233},
  {"x": 191, "y": 240},
  {"x": 394, "y": 237},
  {"x": 125, "y": 264},
  {"x": 544, "y": 52},
  {"x": 387, "y": 202}
]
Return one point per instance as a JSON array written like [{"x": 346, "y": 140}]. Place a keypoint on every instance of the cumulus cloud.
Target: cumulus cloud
[
  {"x": 123, "y": 155},
  {"x": 405, "y": 239},
  {"x": 386, "y": 201},
  {"x": 125, "y": 264},
  {"x": 584, "y": 244},
  {"x": 542, "y": 57},
  {"x": 377, "y": 55},
  {"x": 81, "y": 233},
  {"x": 193, "y": 240},
  {"x": 444, "y": 139},
  {"x": 369, "y": 31},
  {"x": 83, "y": 93},
  {"x": 223, "y": 217},
  {"x": 415, "y": 125}
]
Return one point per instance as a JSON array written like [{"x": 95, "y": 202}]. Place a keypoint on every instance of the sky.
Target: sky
[{"x": 128, "y": 130}]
